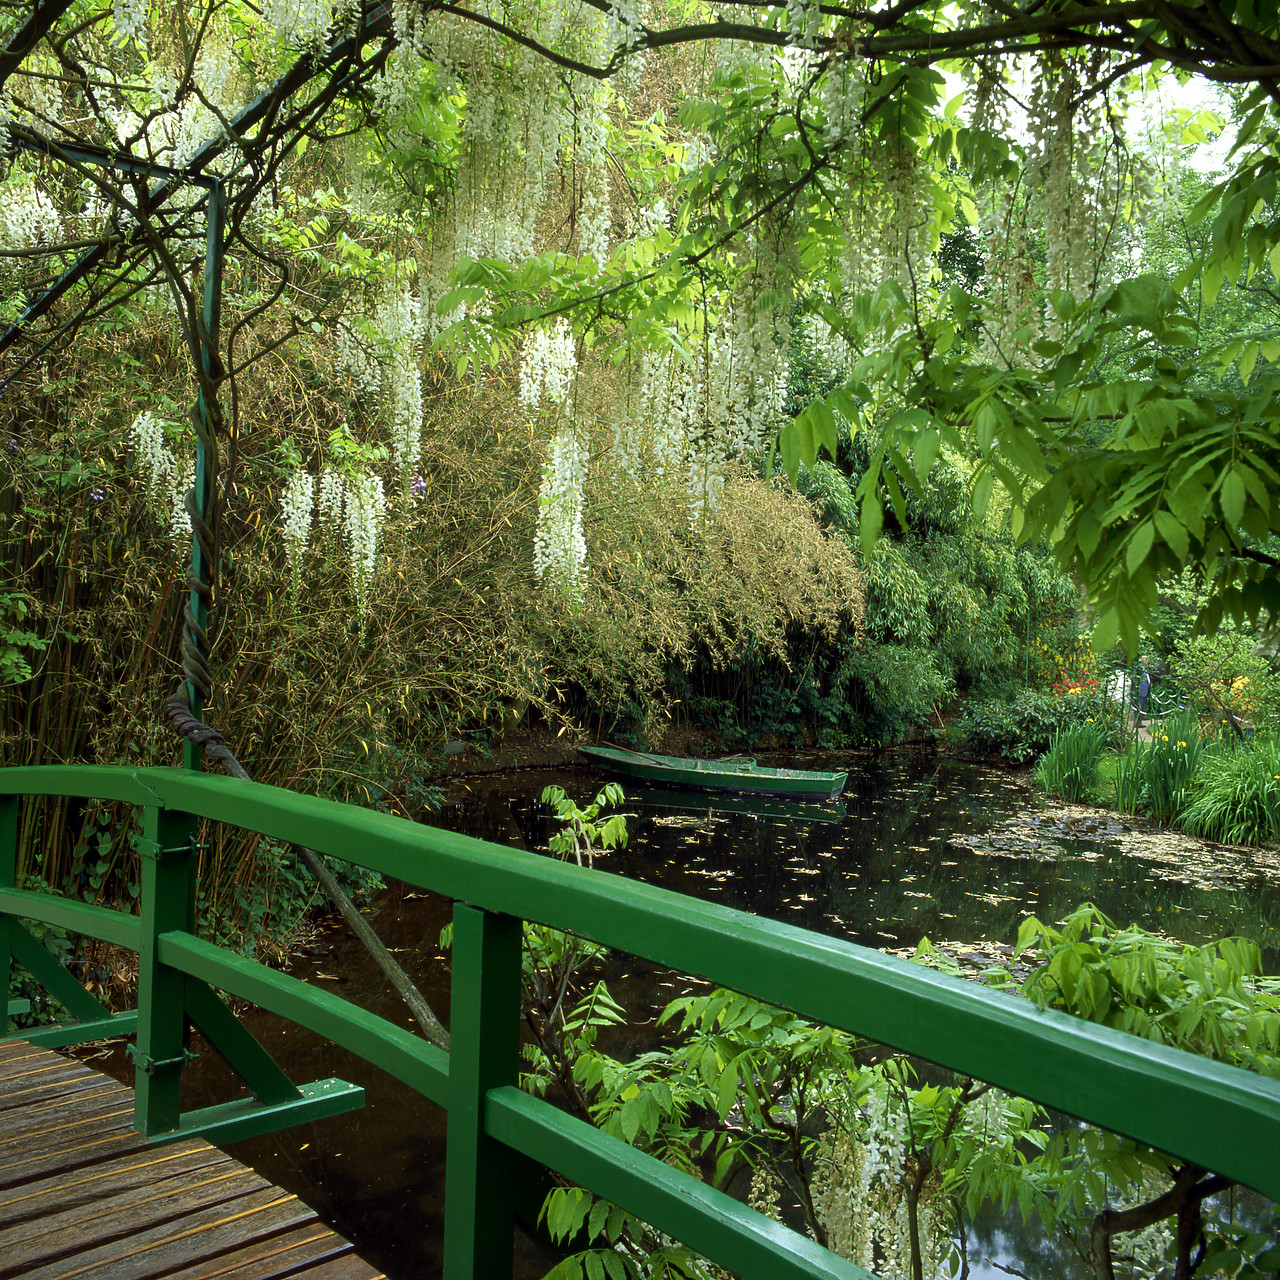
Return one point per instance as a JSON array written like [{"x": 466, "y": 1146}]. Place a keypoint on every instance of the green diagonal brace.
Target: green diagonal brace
[
  {"x": 53, "y": 977},
  {"x": 236, "y": 1045}
]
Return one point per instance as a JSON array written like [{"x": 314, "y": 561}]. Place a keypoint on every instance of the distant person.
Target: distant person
[{"x": 1144, "y": 690}]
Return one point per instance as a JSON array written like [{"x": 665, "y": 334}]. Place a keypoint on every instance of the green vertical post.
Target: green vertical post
[
  {"x": 484, "y": 1052},
  {"x": 8, "y": 878},
  {"x": 212, "y": 314},
  {"x": 168, "y": 903}
]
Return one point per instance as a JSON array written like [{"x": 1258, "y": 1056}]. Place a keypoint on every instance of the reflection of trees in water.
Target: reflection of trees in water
[
  {"x": 928, "y": 848},
  {"x": 1005, "y": 1237}
]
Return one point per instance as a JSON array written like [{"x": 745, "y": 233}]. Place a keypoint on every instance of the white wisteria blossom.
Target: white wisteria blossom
[
  {"x": 158, "y": 462},
  {"x": 366, "y": 510},
  {"x": 28, "y": 218},
  {"x": 358, "y": 357},
  {"x": 299, "y": 22},
  {"x": 399, "y": 319},
  {"x": 559, "y": 547},
  {"x": 330, "y": 500},
  {"x": 129, "y": 17},
  {"x": 296, "y": 506},
  {"x": 547, "y": 366},
  {"x": 183, "y": 477}
]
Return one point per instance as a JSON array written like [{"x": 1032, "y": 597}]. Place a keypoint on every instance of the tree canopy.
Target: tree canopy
[{"x": 679, "y": 190}]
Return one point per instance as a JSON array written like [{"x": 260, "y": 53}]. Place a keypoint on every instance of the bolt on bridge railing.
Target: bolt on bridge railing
[{"x": 1216, "y": 1116}]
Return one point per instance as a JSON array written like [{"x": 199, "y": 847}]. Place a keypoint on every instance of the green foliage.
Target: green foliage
[
  {"x": 1158, "y": 774},
  {"x": 950, "y": 602},
  {"x": 1070, "y": 767},
  {"x": 263, "y": 912},
  {"x": 1235, "y": 794},
  {"x": 1128, "y": 777},
  {"x": 581, "y": 834},
  {"x": 42, "y": 1007},
  {"x": 897, "y": 687},
  {"x": 1022, "y": 726},
  {"x": 15, "y": 642},
  {"x": 1210, "y": 1000},
  {"x": 741, "y": 1087},
  {"x": 730, "y": 628},
  {"x": 1225, "y": 680}
]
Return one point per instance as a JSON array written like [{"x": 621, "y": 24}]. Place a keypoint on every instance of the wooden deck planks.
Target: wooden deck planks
[{"x": 83, "y": 1197}]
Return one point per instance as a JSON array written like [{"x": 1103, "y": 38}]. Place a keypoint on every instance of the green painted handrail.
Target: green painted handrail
[{"x": 1222, "y": 1118}]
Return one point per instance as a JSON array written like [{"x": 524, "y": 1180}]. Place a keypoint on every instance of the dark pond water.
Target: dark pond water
[{"x": 924, "y": 848}]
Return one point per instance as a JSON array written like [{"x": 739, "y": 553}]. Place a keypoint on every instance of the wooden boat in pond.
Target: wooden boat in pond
[{"x": 733, "y": 773}]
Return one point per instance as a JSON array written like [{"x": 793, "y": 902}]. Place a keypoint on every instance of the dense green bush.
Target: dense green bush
[
  {"x": 1224, "y": 679},
  {"x": 1235, "y": 796},
  {"x": 1022, "y": 725}
]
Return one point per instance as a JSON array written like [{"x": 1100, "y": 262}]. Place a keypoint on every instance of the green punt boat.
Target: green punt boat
[{"x": 734, "y": 773}]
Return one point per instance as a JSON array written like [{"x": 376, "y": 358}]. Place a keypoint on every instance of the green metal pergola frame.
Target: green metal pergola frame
[{"x": 166, "y": 182}]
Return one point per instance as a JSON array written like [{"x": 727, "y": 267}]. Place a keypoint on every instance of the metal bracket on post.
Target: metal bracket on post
[
  {"x": 154, "y": 852},
  {"x": 158, "y": 1066}
]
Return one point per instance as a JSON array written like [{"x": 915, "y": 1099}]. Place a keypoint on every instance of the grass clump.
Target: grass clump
[
  {"x": 1155, "y": 778},
  {"x": 1236, "y": 795},
  {"x": 1070, "y": 766},
  {"x": 1169, "y": 764}
]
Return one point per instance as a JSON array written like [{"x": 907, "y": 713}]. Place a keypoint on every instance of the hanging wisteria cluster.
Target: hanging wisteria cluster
[
  {"x": 28, "y": 219},
  {"x": 399, "y": 319},
  {"x": 332, "y": 492},
  {"x": 383, "y": 355},
  {"x": 547, "y": 366},
  {"x": 351, "y": 508},
  {"x": 184, "y": 479},
  {"x": 129, "y": 17},
  {"x": 166, "y": 478},
  {"x": 559, "y": 548},
  {"x": 522, "y": 156},
  {"x": 1083, "y": 187},
  {"x": 296, "y": 506},
  {"x": 302, "y": 23},
  {"x": 366, "y": 510},
  {"x": 860, "y": 1193},
  {"x": 688, "y": 419}
]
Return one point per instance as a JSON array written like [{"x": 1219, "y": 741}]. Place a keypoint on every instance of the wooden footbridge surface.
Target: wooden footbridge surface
[{"x": 83, "y": 1195}]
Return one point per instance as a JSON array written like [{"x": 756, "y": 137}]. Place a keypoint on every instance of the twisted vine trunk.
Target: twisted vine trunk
[
  {"x": 1182, "y": 1200},
  {"x": 215, "y": 748}
]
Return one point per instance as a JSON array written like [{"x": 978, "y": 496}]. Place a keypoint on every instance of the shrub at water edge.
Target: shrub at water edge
[
  {"x": 1023, "y": 726},
  {"x": 1235, "y": 796}
]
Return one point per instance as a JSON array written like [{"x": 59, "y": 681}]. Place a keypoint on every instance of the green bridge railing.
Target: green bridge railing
[{"x": 1222, "y": 1118}]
